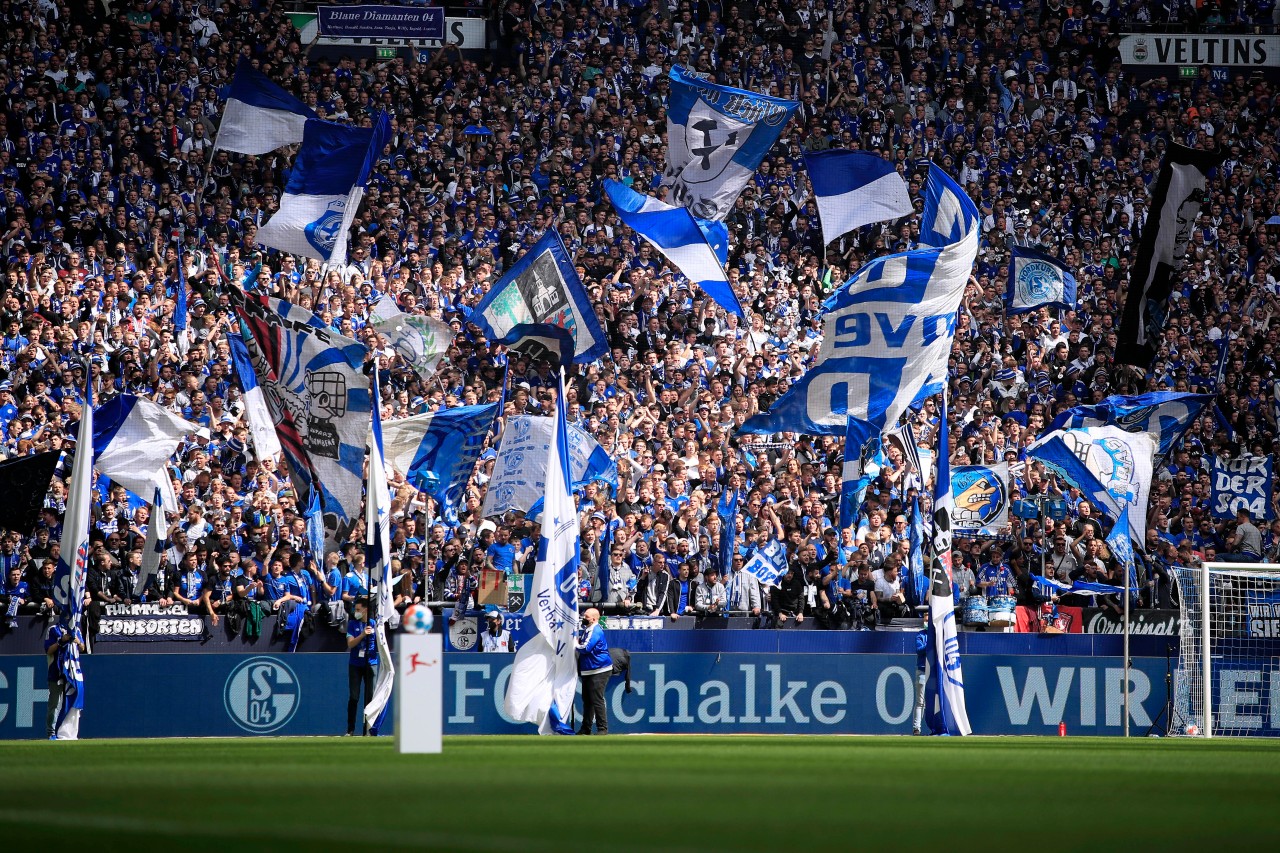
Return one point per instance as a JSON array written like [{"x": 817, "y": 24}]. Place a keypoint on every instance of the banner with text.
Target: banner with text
[
  {"x": 381, "y": 22},
  {"x": 1243, "y": 483},
  {"x": 1186, "y": 49}
]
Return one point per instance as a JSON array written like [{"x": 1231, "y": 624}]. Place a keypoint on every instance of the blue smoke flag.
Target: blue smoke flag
[
  {"x": 259, "y": 115},
  {"x": 944, "y": 707},
  {"x": 863, "y": 459},
  {"x": 1111, "y": 468},
  {"x": 262, "y": 428},
  {"x": 544, "y": 676},
  {"x": 1046, "y": 587},
  {"x": 727, "y": 510},
  {"x": 855, "y": 188},
  {"x": 543, "y": 288},
  {"x": 917, "y": 580},
  {"x": 1164, "y": 415},
  {"x": 377, "y": 550},
  {"x": 1036, "y": 280},
  {"x": 682, "y": 239},
  {"x": 324, "y": 190},
  {"x": 1122, "y": 549},
  {"x": 133, "y": 441},
  {"x": 767, "y": 563},
  {"x": 717, "y": 136},
  {"x": 437, "y": 452},
  {"x": 72, "y": 572}
]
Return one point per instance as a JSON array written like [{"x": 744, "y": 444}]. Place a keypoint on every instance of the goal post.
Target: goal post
[{"x": 1227, "y": 682}]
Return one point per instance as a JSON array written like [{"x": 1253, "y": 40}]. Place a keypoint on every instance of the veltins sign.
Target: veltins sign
[{"x": 1187, "y": 49}]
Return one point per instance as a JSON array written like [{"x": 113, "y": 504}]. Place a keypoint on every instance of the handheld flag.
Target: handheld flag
[
  {"x": 717, "y": 136},
  {"x": 133, "y": 440},
  {"x": 544, "y": 676},
  {"x": 682, "y": 239},
  {"x": 1164, "y": 415},
  {"x": 917, "y": 580},
  {"x": 1036, "y": 280},
  {"x": 153, "y": 547},
  {"x": 437, "y": 451},
  {"x": 72, "y": 572},
  {"x": 515, "y": 487},
  {"x": 180, "y": 310},
  {"x": 855, "y": 188},
  {"x": 1122, "y": 548},
  {"x": 863, "y": 459},
  {"x": 543, "y": 288},
  {"x": 945, "y": 709},
  {"x": 727, "y": 510},
  {"x": 768, "y": 563},
  {"x": 377, "y": 549},
  {"x": 261, "y": 426},
  {"x": 538, "y": 342},
  {"x": 259, "y": 115},
  {"x": 420, "y": 341}
]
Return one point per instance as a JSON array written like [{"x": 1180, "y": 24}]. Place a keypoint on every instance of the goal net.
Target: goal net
[{"x": 1228, "y": 679}]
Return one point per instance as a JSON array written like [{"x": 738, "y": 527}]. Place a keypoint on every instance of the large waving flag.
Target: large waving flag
[
  {"x": 324, "y": 190},
  {"x": 133, "y": 440},
  {"x": 419, "y": 340},
  {"x": 1111, "y": 467},
  {"x": 517, "y": 483},
  {"x": 887, "y": 333},
  {"x": 945, "y": 710},
  {"x": 262, "y": 427},
  {"x": 717, "y": 136},
  {"x": 949, "y": 216},
  {"x": 72, "y": 572},
  {"x": 855, "y": 188},
  {"x": 681, "y": 238},
  {"x": 377, "y": 549},
  {"x": 318, "y": 393},
  {"x": 1175, "y": 204},
  {"x": 259, "y": 115},
  {"x": 1037, "y": 280},
  {"x": 544, "y": 677},
  {"x": 543, "y": 288},
  {"x": 863, "y": 459},
  {"x": 437, "y": 452},
  {"x": 1164, "y": 415}
]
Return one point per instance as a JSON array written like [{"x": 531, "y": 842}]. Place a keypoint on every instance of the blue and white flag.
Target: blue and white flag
[
  {"x": 980, "y": 500},
  {"x": 1046, "y": 587},
  {"x": 517, "y": 481},
  {"x": 1111, "y": 467},
  {"x": 262, "y": 428},
  {"x": 944, "y": 707},
  {"x": 1122, "y": 549},
  {"x": 1036, "y": 280},
  {"x": 259, "y": 115},
  {"x": 538, "y": 342},
  {"x": 437, "y": 452},
  {"x": 420, "y": 341},
  {"x": 1243, "y": 483},
  {"x": 863, "y": 459},
  {"x": 887, "y": 333},
  {"x": 324, "y": 190},
  {"x": 133, "y": 441},
  {"x": 1164, "y": 415},
  {"x": 543, "y": 288},
  {"x": 717, "y": 136},
  {"x": 377, "y": 551},
  {"x": 675, "y": 233},
  {"x": 544, "y": 676},
  {"x": 72, "y": 572},
  {"x": 949, "y": 215},
  {"x": 855, "y": 188},
  {"x": 318, "y": 393},
  {"x": 768, "y": 563}
]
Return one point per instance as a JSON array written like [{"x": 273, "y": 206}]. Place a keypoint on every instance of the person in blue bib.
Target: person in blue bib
[
  {"x": 594, "y": 668},
  {"x": 364, "y": 657}
]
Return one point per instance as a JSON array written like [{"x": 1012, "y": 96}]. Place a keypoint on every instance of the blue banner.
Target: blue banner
[
  {"x": 1243, "y": 483},
  {"x": 394, "y": 22}
]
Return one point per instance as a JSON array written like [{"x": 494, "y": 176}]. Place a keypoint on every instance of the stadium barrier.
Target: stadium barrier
[{"x": 234, "y": 695}]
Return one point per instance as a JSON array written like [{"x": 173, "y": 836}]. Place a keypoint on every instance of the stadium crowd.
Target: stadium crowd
[{"x": 108, "y": 185}]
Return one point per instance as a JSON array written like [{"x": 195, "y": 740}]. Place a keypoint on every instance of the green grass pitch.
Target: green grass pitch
[{"x": 642, "y": 794}]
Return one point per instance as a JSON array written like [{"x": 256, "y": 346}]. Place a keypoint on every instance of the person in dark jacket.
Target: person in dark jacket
[
  {"x": 787, "y": 598},
  {"x": 658, "y": 593},
  {"x": 594, "y": 668}
]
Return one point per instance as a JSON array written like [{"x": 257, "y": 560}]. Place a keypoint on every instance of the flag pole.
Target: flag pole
[{"x": 1127, "y": 570}]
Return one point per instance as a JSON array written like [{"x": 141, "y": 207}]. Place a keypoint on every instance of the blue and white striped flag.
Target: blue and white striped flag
[
  {"x": 133, "y": 441},
  {"x": 153, "y": 547},
  {"x": 1164, "y": 415},
  {"x": 259, "y": 115},
  {"x": 768, "y": 563},
  {"x": 377, "y": 550},
  {"x": 1036, "y": 280},
  {"x": 887, "y": 333},
  {"x": 262, "y": 427},
  {"x": 1111, "y": 467},
  {"x": 544, "y": 676},
  {"x": 437, "y": 452},
  {"x": 944, "y": 707},
  {"x": 675, "y": 233},
  {"x": 543, "y": 288},
  {"x": 855, "y": 188},
  {"x": 72, "y": 572},
  {"x": 717, "y": 136},
  {"x": 324, "y": 190}
]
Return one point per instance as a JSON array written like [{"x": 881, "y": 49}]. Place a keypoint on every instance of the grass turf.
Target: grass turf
[{"x": 640, "y": 794}]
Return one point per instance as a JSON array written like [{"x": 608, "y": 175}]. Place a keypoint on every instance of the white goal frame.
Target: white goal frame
[{"x": 1204, "y": 614}]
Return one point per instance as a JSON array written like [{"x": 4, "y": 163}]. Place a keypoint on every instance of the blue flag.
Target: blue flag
[
  {"x": 72, "y": 572},
  {"x": 1164, "y": 415},
  {"x": 437, "y": 452},
  {"x": 259, "y": 115},
  {"x": 1036, "y": 280},
  {"x": 538, "y": 342},
  {"x": 543, "y": 288},
  {"x": 916, "y": 582},
  {"x": 180, "y": 309},
  {"x": 727, "y": 509},
  {"x": 1122, "y": 548},
  {"x": 855, "y": 188},
  {"x": 863, "y": 459},
  {"x": 768, "y": 563}
]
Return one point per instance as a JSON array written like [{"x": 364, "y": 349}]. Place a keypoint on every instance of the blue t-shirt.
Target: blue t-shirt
[
  {"x": 1003, "y": 578},
  {"x": 365, "y": 652},
  {"x": 503, "y": 556},
  {"x": 354, "y": 585}
]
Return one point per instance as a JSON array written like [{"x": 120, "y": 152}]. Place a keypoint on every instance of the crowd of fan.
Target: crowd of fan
[{"x": 108, "y": 185}]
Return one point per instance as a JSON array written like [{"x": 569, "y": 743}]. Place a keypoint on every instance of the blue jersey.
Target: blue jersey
[
  {"x": 355, "y": 585},
  {"x": 503, "y": 556},
  {"x": 365, "y": 652},
  {"x": 190, "y": 583},
  {"x": 1001, "y": 575},
  {"x": 297, "y": 584}
]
